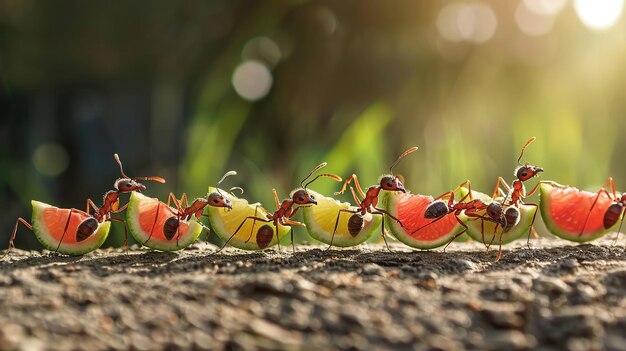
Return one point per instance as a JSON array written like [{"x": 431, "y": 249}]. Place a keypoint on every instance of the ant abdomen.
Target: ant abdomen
[
  {"x": 86, "y": 228},
  {"x": 612, "y": 214},
  {"x": 170, "y": 227},
  {"x": 511, "y": 218},
  {"x": 264, "y": 236},
  {"x": 436, "y": 209},
  {"x": 355, "y": 224}
]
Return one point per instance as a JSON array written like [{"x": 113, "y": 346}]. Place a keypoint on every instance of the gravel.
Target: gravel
[{"x": 552, "y": 297}]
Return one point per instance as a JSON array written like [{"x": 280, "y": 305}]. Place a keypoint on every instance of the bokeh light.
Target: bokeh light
[
  {"x": 252, "y": 80},
  {"x": 262, "y": 48},
  {"x": 474, "y": 23},
  {"x": 50, "y": 159},
  {"x": 599, "y": 14},
  {"x": 545, "y": 7},
  {"x": 531, "y": 22}
]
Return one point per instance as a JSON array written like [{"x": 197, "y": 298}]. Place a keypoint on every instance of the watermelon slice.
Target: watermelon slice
[
  {"x": 49, "y": 224},
  {"x": 253, "y": 235},
  {"x": 484, "y": 232},
  {"x": 409, "y": 209},
  {"x": 352, "y": 229},
  {"x": 564, "y": 210},
  {"x": 142, "y": 219}
]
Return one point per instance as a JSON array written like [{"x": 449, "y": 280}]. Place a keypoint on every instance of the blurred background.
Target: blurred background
[{"x": 191, "y": 89}]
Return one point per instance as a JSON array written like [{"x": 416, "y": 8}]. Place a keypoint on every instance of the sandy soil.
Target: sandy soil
[{"x": 558, "y": 296}]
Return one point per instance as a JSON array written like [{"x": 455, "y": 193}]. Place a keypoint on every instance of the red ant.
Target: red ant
[
  {"x": 438, "y": 209},
  {"x": 387, "y": 182},
  {"x": 514, "y": 195},
  {"x": 110, "y": 205},
  {"x": 184, "y": 212},
  {"x": 284, "y": 213}
]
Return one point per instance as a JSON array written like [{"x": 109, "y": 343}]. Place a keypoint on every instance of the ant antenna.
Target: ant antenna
[
  {"x": 524, "y": 148},
  {"x": 235, "y": 188},
  {"x": 117, "y": 158},
  {"x": 321, "y": 165},
  {"x": 401, "y": 157},
  {"x": 156, "y": 179},
  {"x": 228, "y": 174}
]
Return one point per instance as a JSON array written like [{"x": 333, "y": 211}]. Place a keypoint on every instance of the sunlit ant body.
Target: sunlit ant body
[
  {"x": 184, "y": 211},
  {"x": 285, "y": 211},
  {"x": 100, "y": 214},
  {"x": 513, "y": 197},
  {"x": 369, "y": 203}
]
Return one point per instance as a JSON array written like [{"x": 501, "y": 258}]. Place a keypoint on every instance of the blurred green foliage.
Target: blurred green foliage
[{"x": 353, "y": 83}]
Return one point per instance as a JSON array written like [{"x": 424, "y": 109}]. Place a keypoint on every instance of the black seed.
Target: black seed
[
  {"x": 170, "y": 227},
  {"x": 611, "y": 216},
  {"x": 86, "y": 228},
  {"x": 436, "y": 209},
  {"x": 355, "y": 224},
  {"x": 264, "y": 236}
]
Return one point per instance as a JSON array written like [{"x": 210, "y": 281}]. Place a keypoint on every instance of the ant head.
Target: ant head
[
  {"x": 391, "y": 183},
  {"x": 526, "y": 172},
  {"x": 127, "y": 184},
  {"x": 302, "y": 197},
  {"x": 216, "y": 199},
  {"x": 494, "y": 210}
]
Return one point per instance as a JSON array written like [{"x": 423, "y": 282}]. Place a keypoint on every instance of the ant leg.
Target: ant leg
[
  {"x": 495, "y": 230},
  {"x": 91, "y": 204},
  {"x": 183, "y": 200},
  {"x": 497, "y": 191},
  {"x": 120, "y": 209},
  {"x": 549, "y": 182},
  {"x": 11, "y": 245},
  {"x": 125, "y": 232},
  {"x": 67, "y": 224},
  {"x": 356, "y": 184},
  {"x": 469, "y": 188},
  {"x": 156, "y": 216},
  {"x": 172, "y": 198},
  {"x": 356, "y": 198},
  {"x": 619, "y": 229},
  {"x": 390, "y": 215},
  {"x": 291, "y": 224},
  {"x": 459, "y": 234},
  {"x": 499, "y": 248},
  {"x": 531, "y": 223},
  {"x": 337, "y": 224},
  {"x": 601, "y": 191},
  {"x": 238, "y": 228},
  {"x": 276, "y": 200},
  {"x": 256, "y": 209}
]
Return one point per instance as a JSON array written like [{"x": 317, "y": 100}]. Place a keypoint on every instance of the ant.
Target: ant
[
  {"x": 439, "y": 209},
  {"x": 387, "y": 182},
  {"x": 110, "y": 205},
  {"x": 184, "y": 211},
  {"x": 286, "y": 210},
  {"x": 514, "y": 196}
]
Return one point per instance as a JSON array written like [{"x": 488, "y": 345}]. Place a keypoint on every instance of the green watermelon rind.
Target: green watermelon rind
[
  {"x": 399, "y": 233},
  {"x": 132, "y": 220},
  {"x": 544, "y": 205},
  {"x": 218, "y": 228},
  {"x": 78, "y": 249},
  {"x": 523, "y": 227},
  {"x": 319, "y": 234}
]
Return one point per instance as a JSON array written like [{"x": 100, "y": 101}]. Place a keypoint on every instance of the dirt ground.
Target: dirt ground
[{"x": 556, "y": 295}]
